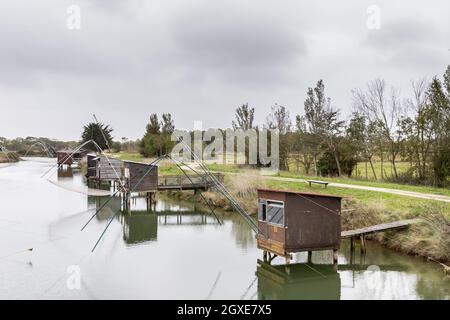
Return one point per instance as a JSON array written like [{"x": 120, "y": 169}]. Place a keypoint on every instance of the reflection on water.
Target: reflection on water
[
  {"x": 302, "y": 281},
  {"x": 140, "y": 221},
  {"x": 65, "y": 172},
  {"x": 173, "y": 250}
]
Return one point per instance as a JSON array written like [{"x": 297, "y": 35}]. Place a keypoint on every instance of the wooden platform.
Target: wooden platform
[
  {"x": 182, "y": 182},
  {"x": 401, "y": 224}
]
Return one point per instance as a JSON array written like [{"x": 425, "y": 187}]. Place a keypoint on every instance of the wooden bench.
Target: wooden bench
[{"x": 325, "y": 183}]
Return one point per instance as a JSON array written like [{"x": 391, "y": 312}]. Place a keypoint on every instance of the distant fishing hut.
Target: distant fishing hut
[
  {"x": 64, "y": 157},
  {"x": 141, "y": 177},
  {"x": 102, "y": 169},
  {"x": 108, "y": 169},
  {"x": 91, "y": 165},
  {"x": 297, "y": 221},
  {"x": 68, "y": 156}
]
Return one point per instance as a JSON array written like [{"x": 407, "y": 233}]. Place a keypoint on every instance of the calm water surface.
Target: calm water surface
[{"x": 171, "y": 251}]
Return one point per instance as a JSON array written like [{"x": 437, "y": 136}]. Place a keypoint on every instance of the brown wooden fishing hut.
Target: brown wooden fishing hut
[
  {"x": 291, "y": 221},
  {"x": 141, "y": 177},
  {"x": 68, "y": 156},
  {"x": 107, "y": 169}
]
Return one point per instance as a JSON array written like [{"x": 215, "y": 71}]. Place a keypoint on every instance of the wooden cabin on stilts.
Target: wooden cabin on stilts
[
  {"x": 142, "y": 178},
  {"x": 292, "y": 222}
]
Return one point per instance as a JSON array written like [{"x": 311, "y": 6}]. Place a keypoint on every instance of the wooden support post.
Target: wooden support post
[
  {"x": 265, "y": 256},
  {"x": 288, "y": 259},
  {"x": 287, "y": 267},
  {"x": 363, "y": 244},
  {"x": 335, "y": 256},
  {"x": 271, "y": 257},
  {"x": 309, "y": 256},
  {"x": 352, "y": 244}
]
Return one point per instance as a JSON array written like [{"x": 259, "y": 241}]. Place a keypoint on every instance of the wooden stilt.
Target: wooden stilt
[
  {"x": 309, "y": 256},
  {"x": 363, "y": 244},
  {"x": 335, "y": 256},
  {"x": 288, "y": 259},
  {"x": 352, "y": 256},
  {"x": 352, "y": 244}
]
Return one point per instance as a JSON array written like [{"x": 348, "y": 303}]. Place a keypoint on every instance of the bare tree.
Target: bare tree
[
  {"x": 381, "y": 107},
  {"x": 244, "y": 118},
  {"x": 280, "y": 119},
  {"x": 419, "y": 128}
]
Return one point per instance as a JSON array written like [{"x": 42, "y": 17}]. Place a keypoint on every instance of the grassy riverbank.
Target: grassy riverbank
[{"x": 361, "y": 208}]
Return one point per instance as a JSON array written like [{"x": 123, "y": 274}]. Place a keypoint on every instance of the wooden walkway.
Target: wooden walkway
[
  {"x": 190, "y": 182},
  {"x": 402, "y": 224},
  {"x": 362, "y": 232}
]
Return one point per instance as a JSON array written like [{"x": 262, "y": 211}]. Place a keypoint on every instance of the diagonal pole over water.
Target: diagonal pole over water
[
  {"x": 111, "y": 197},
  {"x": 135, "y": 186}
]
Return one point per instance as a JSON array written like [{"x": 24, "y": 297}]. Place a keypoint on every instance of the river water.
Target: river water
[{"x": 172, "y": 250}]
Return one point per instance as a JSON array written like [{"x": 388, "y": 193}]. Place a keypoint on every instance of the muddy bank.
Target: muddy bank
[{"x": 9, "y": 157}]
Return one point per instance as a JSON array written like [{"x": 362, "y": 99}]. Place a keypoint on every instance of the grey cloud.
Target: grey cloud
[
  {"x": 237, "y": 43},
  {"x": 401, "y": 32},
  {"x": 407, "y": 42},
  {"x": 199, "y": 59}
]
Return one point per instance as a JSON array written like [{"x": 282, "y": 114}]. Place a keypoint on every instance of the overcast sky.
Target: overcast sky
[{"x": 200, "y": 59}]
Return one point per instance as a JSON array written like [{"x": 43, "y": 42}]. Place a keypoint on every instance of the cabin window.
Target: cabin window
[
  {"x": 275, "y": 212},
  {"x": 262, "y": 210}
]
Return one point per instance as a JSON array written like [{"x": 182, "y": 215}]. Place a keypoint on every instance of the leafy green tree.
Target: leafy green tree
[
  {"x": 322, "y": 120},
  {"x": 346, "y": 153},
  {"x": 97, "y": 132},
  {"x": 362, "y": 135},
  {"x": 153, "y": 127},
  {"x": 167, "y": 128},
  {"x": 439, "y": 104},
  {"x": 157, "y": 138}
]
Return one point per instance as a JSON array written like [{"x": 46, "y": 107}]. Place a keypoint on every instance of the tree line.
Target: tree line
[{"x": 383, "y": 127}]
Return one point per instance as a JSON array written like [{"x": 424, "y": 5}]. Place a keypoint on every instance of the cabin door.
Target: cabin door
[{"x": 262, "y": 217}]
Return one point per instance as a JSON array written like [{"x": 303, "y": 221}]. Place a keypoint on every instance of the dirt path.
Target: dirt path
[{"x": 414, "y": 194}]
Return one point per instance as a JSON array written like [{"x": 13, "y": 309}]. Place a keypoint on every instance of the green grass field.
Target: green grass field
[
  {"x": 379, "y": 184},
  {"x": 360, "y": 169},
  {"x": 399, "y": 206},
  {"x": 168, "y": 167}
]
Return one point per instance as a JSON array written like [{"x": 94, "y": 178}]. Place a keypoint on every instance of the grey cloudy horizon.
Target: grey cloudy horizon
[{"x": 201, "y": 59}]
